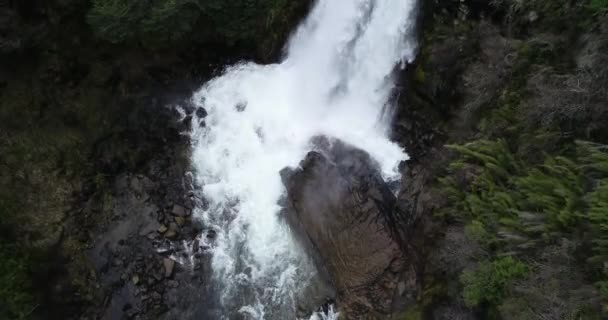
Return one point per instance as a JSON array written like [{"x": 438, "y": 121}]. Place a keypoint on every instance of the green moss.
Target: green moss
[
  {"x": 513, "y": 205},
  {"x": 420, "y": 75},
  {"x": 598, "y": 7},
  {"x": 476, "y": 231},
  {"x": 160, "y": 23},
  {"x": 16, "y": 297},
  {"x": 490, "y": 281},
  {"x": 412, "y": 313}
]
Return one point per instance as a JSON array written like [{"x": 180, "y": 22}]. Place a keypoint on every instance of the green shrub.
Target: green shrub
[
  {"x": 554, "y": 189},
  {"x": 120, "y": 21},
  {"x": 512, "y": 205},
  {"x": 598, "y": 6},
  {"x": 161, "y": 22},
  {"x": 488, "y": 284},
  {"x": 16, "y": 300}
]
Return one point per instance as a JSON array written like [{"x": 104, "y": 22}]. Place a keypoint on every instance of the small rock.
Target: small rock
[
  {"x": 172, "y": 232},
  {"x": 211, "y": 234},
  {"x": 201, "y": 112},
  {"x": 532, "y": 16},
  {"x": 164, "y": 251},
  {"x": 156, "y": 297},
  {"x": 241, "y": 107},
  {"x": 179, "y": 211},
  {"x": 180, "y": 221},
  {"x": 162, "y": 229},
  {"x": 131, "y": 313},
  {"x": 169, "y": 265},
  {"x": 156, "y": 275},
  {"x": 248, "y": 271}
]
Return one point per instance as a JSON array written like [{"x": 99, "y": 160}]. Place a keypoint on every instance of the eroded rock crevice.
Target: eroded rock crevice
[{"x": 348, "y": 217}]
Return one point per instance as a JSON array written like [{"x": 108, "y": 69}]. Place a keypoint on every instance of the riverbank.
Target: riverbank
[{"x": 90, "y": 140}]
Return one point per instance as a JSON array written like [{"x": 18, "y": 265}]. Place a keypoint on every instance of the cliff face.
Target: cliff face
[
  {"x": 347, "y": 216},
  {"x": 80, "y": 111},
  {"x": 502, "y": 205},
  {"x": 504, "y": 115}
]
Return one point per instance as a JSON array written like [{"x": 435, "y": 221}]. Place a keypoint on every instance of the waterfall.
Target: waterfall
[{"x": 335, "y": 80}]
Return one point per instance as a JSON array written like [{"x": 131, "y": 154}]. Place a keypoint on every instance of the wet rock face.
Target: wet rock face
[{"x": 338, "y": 200}]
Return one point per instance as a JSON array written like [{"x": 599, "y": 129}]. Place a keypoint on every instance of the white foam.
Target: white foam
[{"x": 336, "y": 81}]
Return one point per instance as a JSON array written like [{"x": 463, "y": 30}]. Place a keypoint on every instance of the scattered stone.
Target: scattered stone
[
  {"x": 131, "y": 313},
  {"x": 241, "y": 107},
  {"x": 152, "y": 235},
  {"x": 401, "y": 288},
  {"x": 157, "y": 275},
  {"x": 162, "y": 229},
  {"x": 248, "y": 271},
  {"x": 116, "y": 263},
  {"x": 189, "y": 204},
  {"x": 211, "y": 234},
  {"x": 169, "y": 265},
  {"x": 157, "y": 297},
  {"x": 135, "y": 279},
  {"x": 195, "y": 246},
  {"x": 172, "y": 232},
  {"x": 164, "y": 251},
  {"x": 179, "y": 211},
  {"x": 201, "y": 112},
  {"x": 180, "y": 221}
]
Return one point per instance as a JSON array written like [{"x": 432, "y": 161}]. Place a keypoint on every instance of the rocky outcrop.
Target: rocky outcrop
[{"x": 340, "y": 205}]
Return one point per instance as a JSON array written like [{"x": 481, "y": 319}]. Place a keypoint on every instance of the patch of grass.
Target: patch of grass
[
  {"x": 16, "y": 298},
  {"x": 516, "y": 207},
  {"x": 489, "y": 282},
  {"x": 160, "y": 23}
]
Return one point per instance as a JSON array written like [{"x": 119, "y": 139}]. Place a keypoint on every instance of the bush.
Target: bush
[
  {"x": 16, "y": 300},
  {"x": 490, "y": 281},
  {"x": 119, "y": 21},
  {"x": 161, "y": 22},
  {"x": 515, "y": 206}
]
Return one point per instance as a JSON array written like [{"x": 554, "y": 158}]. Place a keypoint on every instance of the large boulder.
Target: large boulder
[{"x": 345, "y": 212}]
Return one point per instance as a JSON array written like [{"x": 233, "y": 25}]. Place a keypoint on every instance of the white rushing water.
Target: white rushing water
[{"x": 335, "y": 80}]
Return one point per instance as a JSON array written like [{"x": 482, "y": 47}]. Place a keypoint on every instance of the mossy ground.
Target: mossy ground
[
  {"x": 78, "y": 108},
  {"x": 526, "y": 179}
]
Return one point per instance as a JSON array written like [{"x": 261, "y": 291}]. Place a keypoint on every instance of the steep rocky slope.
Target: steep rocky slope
[
  {"x": 505, "y": 117},
  {"x": 501, "y": 212},
  {"x": 91, "y": 155}
]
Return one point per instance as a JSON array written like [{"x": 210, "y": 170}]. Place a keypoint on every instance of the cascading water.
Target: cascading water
[{"x": 335, "y": 81}]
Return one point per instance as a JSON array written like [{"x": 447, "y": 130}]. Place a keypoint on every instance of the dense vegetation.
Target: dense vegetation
[
  {"x": 161, "y": 23},
  {"x": 527, "y": 177},
  {"x": 83, "y": 89},
  {"x": 514, "y": 208},
  {"x": 14, "y": 268}
]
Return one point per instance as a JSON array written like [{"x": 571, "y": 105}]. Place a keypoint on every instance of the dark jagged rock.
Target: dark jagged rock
[
  {"x": 201, "y": 112},
  {"x": 340, "y": 204}
]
